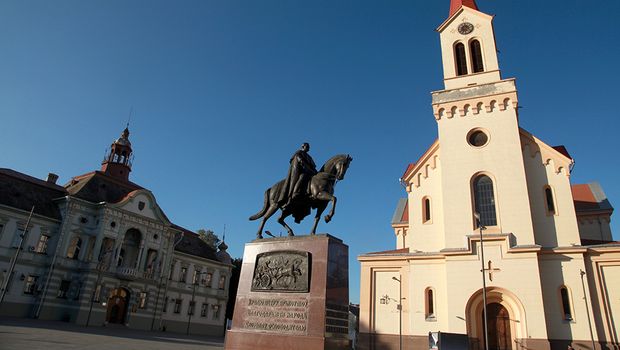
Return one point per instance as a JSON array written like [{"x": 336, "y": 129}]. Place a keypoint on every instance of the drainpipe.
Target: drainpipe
[
  {"x": 16, "y": 256},
  {"x": 53, "y": 264},
  {"x": 171, "y": 254}
]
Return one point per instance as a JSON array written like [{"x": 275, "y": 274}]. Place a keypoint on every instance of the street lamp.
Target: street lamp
[
  {"x": 192, "y": 303},
  {"x": 484, "y": 283},
  {"x": 400, "y": 310},
  {"x": 585, "y": 300},
  {"x": 101, "y": 265}
]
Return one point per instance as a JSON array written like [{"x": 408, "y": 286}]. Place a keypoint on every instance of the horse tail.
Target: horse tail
[{"x": 265, "y": 206}]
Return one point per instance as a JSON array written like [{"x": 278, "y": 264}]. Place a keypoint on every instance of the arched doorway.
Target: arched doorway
[
  {"x": 117, "y": 306},
  {"x": 498, "y": 323},
  {"x": 506, "y": 319}
]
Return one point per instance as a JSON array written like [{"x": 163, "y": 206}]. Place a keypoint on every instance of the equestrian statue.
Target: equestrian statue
[{"x": 304, "y": 189}]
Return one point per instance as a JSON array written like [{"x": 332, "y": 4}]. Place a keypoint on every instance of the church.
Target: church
[
  {"x": 101, "y": 251},
  {"x": 491, "y": 225}
]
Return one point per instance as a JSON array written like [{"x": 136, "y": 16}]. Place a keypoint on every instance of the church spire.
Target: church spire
[
  {"x": 117, "y": 162},
  {"x": 455, "y": 5}
]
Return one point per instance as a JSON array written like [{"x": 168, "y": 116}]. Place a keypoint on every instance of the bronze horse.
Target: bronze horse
[{"x": 319, "y": 193}]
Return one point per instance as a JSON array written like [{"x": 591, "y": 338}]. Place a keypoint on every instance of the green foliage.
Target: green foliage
[{"x": 209, "y": 237}]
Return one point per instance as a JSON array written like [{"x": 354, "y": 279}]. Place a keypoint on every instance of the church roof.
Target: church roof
[
  {"x": 98, "y": 187},
  {"x": 590, "y": 199},
  {"x": 22, "y": 191},
  {"x": 192, "y": 244},
  {"x": 401, "y": 215},
  {"x": 455, "y": 5},
  {"x": 390, "y": 252}
]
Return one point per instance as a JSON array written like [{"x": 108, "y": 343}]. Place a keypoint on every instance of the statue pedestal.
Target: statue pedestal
[{"x": 293, "y": 294}]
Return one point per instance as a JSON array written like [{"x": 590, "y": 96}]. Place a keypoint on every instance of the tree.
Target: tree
[{"x": 209, "y": 237}]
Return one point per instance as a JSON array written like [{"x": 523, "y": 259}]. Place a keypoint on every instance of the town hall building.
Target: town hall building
[
  {"x": 100, "y": 251},
  {"x": 489, "y": 201}
]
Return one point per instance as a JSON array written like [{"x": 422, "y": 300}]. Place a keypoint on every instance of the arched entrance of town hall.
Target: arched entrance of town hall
[
  {"x": 117, "y": 306},
  {"x": 505, "y": 320}
]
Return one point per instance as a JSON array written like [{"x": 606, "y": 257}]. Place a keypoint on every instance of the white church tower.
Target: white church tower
[{"x": 484, "y": 175}]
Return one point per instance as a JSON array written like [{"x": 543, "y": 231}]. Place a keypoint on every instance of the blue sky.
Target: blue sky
[{"x": 224, "y": 92}]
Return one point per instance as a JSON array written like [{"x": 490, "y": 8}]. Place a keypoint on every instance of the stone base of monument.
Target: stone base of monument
[{"x": 293, "y": 294}]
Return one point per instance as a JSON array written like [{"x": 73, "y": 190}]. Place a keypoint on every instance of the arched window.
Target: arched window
[
  {"x": 429, "y": 298},
  {"x": 476, "y": 56},
  {"x": 461, "y": 61},
  {"x": 566, "y": 309},
  {"x": 74, "y": 248},
  {"x": 549, "y": 200},
  {"x": 485, "y": 200},
  {"x": 426, "y": 210}
]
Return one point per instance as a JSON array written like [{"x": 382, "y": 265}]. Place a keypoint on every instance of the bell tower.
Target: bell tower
[
  {"x": 483, "y": 172},
  {"x": 468, "y": 46},
  {"x": 117, "y": 162}
]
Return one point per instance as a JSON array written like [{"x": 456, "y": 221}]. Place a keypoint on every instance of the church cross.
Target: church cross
[{"x": 490, "y": 270}]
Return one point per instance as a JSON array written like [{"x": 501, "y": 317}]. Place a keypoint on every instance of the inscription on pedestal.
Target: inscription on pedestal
[
  {"x": 282, "y": 271},
  {"x": 277, "y": 315}
]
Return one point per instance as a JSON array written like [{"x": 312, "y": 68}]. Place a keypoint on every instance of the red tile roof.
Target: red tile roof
[
  {"x": 405, "y": 217},
  {"x": 395, "y": 251},
  {"x": 455, "y": 5},
  {"x": 589, "y": 198}
]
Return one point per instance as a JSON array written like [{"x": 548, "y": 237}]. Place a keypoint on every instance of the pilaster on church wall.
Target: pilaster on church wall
[
  {"x": 500, "y": 159},
  {"x": 426, "y": 236},
  {"x": 545, "y": 168},
  {"x": 558, "y": 270}
]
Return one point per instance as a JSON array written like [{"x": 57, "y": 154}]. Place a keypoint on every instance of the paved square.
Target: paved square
[{"x": 50, "y": 335}]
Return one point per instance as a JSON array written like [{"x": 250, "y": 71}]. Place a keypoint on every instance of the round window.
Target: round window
[{"x": 477, "y": 138}]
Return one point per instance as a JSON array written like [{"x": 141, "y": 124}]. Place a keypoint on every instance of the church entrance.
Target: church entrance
[
  {"x": 498, "y": 322},
  {"x": 117, "y": 306}
]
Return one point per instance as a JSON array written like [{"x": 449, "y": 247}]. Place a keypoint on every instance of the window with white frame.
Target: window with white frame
[
  {"x": 142, "y": 299},
  {"x": 41, "y": 247},
  {"x": 74, "y": 248},
  {"x": 177, "y": 306},
  {"x": 216, "y": 312},
  {"x": 19, "y": 233},
  {"x": 429, "y": 298},
  {"x": 566, "y": 305},
  {"x": 190, "y": 309},
  {"x": 484, "y": 199},
  {"x": 63, "y": 289},
  {"x": 30, "y": 284},
  {"x": 183, "y": 277}
]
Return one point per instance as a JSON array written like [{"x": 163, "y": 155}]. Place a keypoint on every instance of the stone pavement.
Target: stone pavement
[{"x": 17, "y": 333}]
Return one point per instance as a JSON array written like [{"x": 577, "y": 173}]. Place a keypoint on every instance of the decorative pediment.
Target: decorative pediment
[
  {"x": 143, "y": 203},
  {"x": 550, "y": 157},
  {"x": 422, "y": 169}
]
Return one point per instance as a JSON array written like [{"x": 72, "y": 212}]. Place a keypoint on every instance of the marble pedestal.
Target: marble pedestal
[{"x": 293, "y": 294}]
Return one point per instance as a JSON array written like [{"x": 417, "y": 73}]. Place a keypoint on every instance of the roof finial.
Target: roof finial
[
  {"x": 129, "y": 118},
  {"x": 455, "y": 5}
]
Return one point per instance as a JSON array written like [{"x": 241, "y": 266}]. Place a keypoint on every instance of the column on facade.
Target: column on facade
[
  {"x": 119, "y": 243},
  {"x": 141, "y": 256},
  {"x": 97, "y": 247}
]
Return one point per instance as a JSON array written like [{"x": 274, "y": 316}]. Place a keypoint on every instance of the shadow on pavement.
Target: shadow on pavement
[{"x": 119, "y": 332}]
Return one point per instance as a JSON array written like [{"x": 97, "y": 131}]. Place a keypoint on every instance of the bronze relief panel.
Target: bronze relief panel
[{"x": 282, "y": 271}]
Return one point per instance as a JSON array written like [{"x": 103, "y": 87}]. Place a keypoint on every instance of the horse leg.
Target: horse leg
[
  {"x": 284, "y": 214},
  {"x": 272, "y": 209},
  {"x": 324, "y": 196},
  {"x": 317, "y": 217}
]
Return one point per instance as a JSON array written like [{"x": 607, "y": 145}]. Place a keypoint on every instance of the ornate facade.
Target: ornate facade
[{"x": 100, "y": 251}]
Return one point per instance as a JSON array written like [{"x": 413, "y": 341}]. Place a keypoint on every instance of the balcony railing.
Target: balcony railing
[{"x": 127, "y": 273}]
